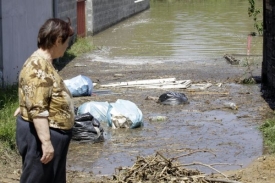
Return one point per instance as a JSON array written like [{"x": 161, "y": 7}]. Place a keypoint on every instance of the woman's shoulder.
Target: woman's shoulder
[{"x": 36, "y": 61}]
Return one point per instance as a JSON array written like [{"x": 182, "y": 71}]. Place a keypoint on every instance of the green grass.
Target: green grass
[
  {"x": 8, "y": 104},
  {"x": 80, "y": 46},
  {"x": 268, "y": 130}
]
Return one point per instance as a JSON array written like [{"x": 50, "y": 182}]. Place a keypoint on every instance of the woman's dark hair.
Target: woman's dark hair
[{"x": 51, "y": 30}]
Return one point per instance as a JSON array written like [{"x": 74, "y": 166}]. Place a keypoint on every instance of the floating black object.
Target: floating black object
[{"x": 173, "y": 98}]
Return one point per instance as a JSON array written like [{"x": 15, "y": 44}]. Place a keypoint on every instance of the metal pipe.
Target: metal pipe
[
  {"x": 55, "y": 3},
  {"x": 1, "y": 49}
]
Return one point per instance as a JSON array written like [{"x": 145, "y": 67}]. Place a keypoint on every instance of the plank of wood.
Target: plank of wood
[
  {"x": 140, "y": 82},
  {"x": 166, "y": 86},
  {"x": 208, "y": 93}
]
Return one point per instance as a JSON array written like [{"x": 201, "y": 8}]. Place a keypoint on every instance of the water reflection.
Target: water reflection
[{"x": 180, "y": 30}]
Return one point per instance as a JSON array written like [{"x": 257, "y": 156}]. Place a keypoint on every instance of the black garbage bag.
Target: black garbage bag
[
  {"x": 87, "y": 128},
  {"x": 173, "y": 98}
]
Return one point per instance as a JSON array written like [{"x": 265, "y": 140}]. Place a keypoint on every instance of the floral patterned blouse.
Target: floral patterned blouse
[{"x": 42, "y": 93}]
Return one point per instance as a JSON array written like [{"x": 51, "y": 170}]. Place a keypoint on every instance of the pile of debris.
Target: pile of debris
[
  {"x": 232, "y": 60},
  {"x": 159, "y": 169}
]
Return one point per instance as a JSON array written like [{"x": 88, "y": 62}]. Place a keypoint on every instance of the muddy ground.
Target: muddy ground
[{"x": 225, "y": 79}]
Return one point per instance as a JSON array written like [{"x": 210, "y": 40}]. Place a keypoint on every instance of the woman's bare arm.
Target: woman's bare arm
[
  {"x": 42, "y": 128},
  {"x": 16, "y": 112}
]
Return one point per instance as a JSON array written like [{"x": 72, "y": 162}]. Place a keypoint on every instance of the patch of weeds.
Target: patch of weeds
[
  {"x": 82, "y": 45},
  {"x": 248, "y": 77},
  {"x": 249, "y": 80},
  {"x": 268, "y": 130},
  {"x": 8, "y": 104},
  {"x": 79, "y": 47}
]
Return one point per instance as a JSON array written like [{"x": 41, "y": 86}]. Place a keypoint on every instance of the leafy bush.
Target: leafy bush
[
  {"x": 8, "y": 104},
  {"x": 255, "y": 13}
]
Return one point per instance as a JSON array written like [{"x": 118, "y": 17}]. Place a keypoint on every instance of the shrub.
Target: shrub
[{"x": 8, "y": 104}]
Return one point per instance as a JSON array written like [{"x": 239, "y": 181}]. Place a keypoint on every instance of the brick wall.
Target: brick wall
[
  {"x": 102, "y": 14},
  {"x": 64, "y": 9}
]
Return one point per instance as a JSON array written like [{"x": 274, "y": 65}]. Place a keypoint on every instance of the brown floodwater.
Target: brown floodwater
[{"x": 178, "y": 31}]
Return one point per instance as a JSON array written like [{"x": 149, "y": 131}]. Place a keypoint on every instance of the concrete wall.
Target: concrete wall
[
  {"x": 102, "y": 14},
  {"x": 64, "y": 9},
  {"x": 20, "y": 24}
]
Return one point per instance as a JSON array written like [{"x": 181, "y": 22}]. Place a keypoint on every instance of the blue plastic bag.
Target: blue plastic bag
[
  {"x": 79, "y": 86},
  {"x": 124, "y": 109},
  {"x": 97, "y": 109}
]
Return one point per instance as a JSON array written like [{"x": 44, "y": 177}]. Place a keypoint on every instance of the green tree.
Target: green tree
[{"x": 255, "y": 13}]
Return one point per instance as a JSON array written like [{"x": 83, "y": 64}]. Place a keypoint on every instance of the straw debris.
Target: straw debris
[{"x": 159, "y": 169}]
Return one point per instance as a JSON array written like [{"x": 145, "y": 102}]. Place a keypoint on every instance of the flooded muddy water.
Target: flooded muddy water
[
  {"x": 218, "y": 135},
  {"x": 205, "y": 128},
  {"x": 198, "y": 33},
  {"x": 180, "y": 31}
]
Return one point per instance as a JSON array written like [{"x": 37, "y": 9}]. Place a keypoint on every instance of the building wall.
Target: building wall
[
  {"x": 21, "y": 20},
  {"x": 20, "y": 24},
  {"x": 102, "y": 14},
  {"x": 64, "y": 9}
]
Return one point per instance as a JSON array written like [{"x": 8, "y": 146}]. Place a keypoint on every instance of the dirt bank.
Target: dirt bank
[{"x": 222, "y": 75}]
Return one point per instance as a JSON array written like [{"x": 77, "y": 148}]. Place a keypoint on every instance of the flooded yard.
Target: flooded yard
[
  {"x": 215, "y": 133},
  {"x": 186, "y": 40}
]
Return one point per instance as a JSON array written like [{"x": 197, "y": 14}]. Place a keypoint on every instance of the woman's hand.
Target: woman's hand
[
  {"x": 48, "y": 152},
  {"x": 16, "y": 112}
]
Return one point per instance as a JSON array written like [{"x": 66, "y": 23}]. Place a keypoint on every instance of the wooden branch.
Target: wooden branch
[
  {"x": 208, "y": 93},
  {"x": 215, "y": 164},
  {"x": 191, "y": 153},
  {"x": 198, "y": 163},
  {"x": 221, "y": 180},
  {"x": 158, "y": 153},
  {"x": 162, "y": 171}
]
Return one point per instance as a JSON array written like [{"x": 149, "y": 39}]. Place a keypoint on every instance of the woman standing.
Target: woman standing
[{"x": 44, "y": 127}]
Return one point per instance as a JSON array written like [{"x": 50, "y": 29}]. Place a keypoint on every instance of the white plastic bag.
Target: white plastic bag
[
  {"x": 79, "y": 86},
  {"x": 124, "y": 114},
  {"x": 97, "y": 109}
]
